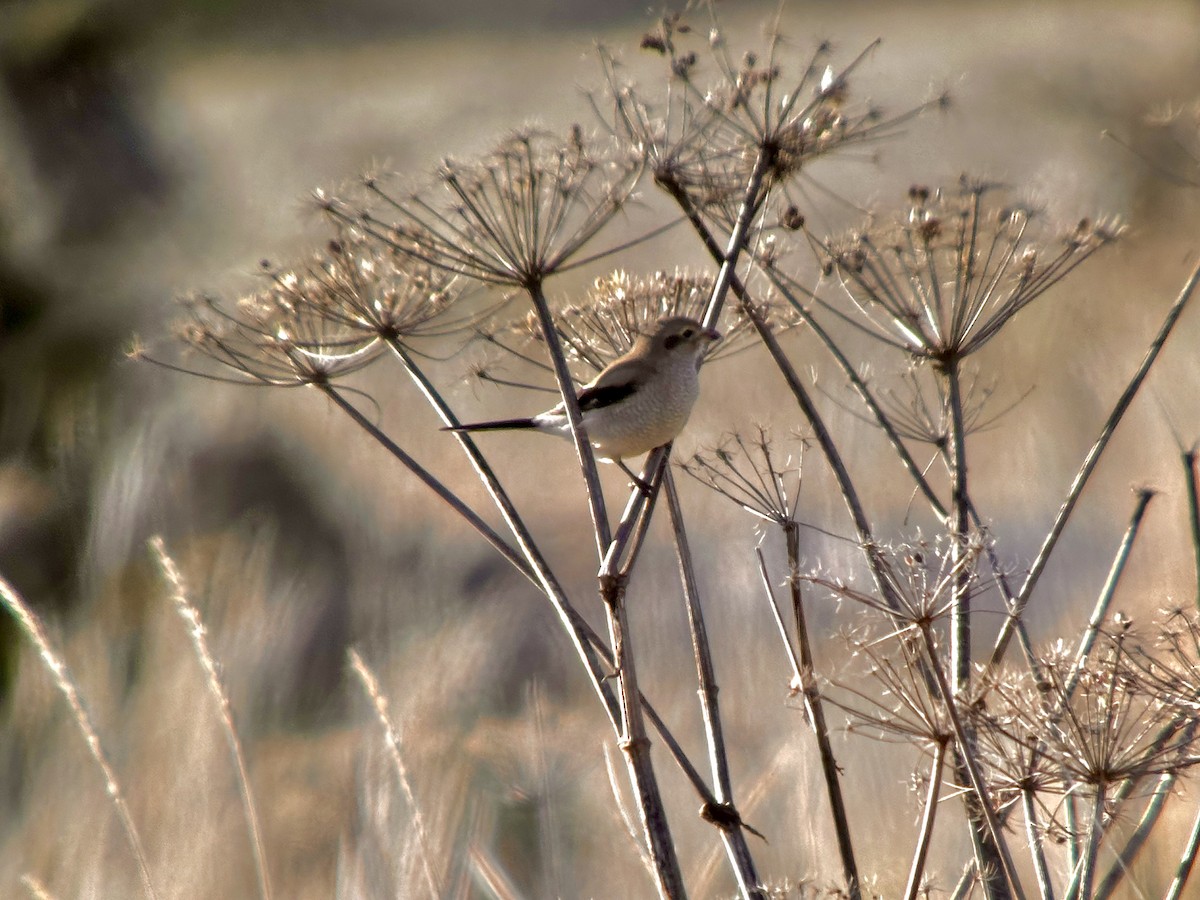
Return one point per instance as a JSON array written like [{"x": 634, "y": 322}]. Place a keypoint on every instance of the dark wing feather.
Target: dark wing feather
[{"x": 602, "y": 395}]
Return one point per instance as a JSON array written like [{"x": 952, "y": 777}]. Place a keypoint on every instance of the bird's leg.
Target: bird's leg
[{"x": 641, "y": 485}]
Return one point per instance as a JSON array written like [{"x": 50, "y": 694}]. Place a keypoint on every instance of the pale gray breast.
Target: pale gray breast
[{"x": 652, "y": 416}]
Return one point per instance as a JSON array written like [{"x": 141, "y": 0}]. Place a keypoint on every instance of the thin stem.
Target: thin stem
[
  {"x": 212, "y": 672},
  {"x": 583, "y": 447},
  {"x": 751, "y": 202},
  {"x": 816, "y": 717},
  {"x": 732, "y": 836},
  {"x": 1033, "y": 835},
  {"x": 1137, "y": 840},
  {"x": 969, "y": 763},
  {"x": 925, "y": 833},
  {"x": 1100, "y": 610},
  {"x": 540, "y": 574},
  {"x": 861, "y": 388},
  {"x": 1089, "y": 464},
  {"x": 1187, "y": 859},
  {"x": 31, "y": 624},
  {"x": 1095, "y": 836},
  {"x": 960, "y": 523},
  {"x": 635, "y": 745},
  {"x": 1189, "y": 469}
]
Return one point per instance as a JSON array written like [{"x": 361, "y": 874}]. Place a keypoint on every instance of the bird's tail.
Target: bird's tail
[{"x": 497, "y": 425}]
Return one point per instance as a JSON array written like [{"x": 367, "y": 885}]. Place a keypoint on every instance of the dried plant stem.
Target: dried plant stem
[
  {"x": 752, "y": 200},
  {"x": 1187, "y": 859},
  {"x": 631, "y": 829},
  {"x": 566, "y": 387},
  {"x": 1092, "y": 848},
  {"x": 36, "y": 632},
  {"x": 1033, "y": 835},
  {"x": 1100, "y": 610},
  {"x": 212, "y": 674},
  {"x": 1137, "y": 839},
  {"x": 1088, "y": 466},
  {"x": 542, "y": 577},
  {"x": 960, "y": 524},
  {"x": 882, "y": 419},
  {"x": 1189, "y": 471},
  {"x": 925, "y": 833},
  {"x": 725, "y": 815},
  {"x": 797, "y": 675},
  {"x": 379, "y": 701},
  {"x": 635, "y": 519},
  {"x": 968, "y": 762},
  {"x": 816, "y": 717},
  {"x": 635, "y": 745}
]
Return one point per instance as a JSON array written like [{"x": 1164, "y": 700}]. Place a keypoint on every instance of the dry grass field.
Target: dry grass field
[{"x": 298, "y": 539}]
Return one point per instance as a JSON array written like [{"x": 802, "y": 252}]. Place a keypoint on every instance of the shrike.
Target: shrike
[{"x": 640, "y": 401}]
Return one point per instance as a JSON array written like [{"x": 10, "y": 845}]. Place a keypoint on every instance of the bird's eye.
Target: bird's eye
[{"x": 687, "y": 333}]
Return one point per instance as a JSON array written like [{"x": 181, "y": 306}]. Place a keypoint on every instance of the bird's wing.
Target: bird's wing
[
  {"x": 599, "y": 397},
  {"x": 614, "y": 384}
]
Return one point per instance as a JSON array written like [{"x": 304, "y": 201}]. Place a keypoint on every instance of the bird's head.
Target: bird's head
[{"x": 679, "y": 336}]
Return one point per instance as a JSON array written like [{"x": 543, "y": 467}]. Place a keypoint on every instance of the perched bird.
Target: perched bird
[{"x": 640, "y": 401}]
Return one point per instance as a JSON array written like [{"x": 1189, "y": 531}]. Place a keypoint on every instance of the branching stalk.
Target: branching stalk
[
  {"x": 916, "y": 872},
  {"x": 732, "y": 834},
  {"x": 1089, "y": 464}
]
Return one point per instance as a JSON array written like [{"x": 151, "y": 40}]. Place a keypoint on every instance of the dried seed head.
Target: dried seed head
[{"x": 947, "y": 276}]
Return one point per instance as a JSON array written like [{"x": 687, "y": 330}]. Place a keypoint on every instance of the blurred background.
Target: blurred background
[{"x": 149, "y": 150}]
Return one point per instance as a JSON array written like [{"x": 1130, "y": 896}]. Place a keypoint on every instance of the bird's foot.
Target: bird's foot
[{"x": 644, "y": 486}]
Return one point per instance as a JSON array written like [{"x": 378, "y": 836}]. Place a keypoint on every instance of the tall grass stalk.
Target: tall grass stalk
[{"x": 35, "y": 631}]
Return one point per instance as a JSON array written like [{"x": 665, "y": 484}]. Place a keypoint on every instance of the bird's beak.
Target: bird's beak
[{"x": 712, "y": 334}]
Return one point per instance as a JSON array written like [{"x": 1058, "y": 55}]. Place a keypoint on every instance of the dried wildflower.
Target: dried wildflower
[
  {"x": 918, "y": 408},
  {"x": 751, "y": 473},
  {"x": 1100, "y": 722},
  {"x": 920, "y": 575},
  {"x": 325, "y": 317},
  {"x": 513, "y": 218},
  {"x": 265, "y": 340},
  {"x": 886, "y": 695},
  {"x": 361, "y": 284},
  {"x": 620, "y": 306},
  {"x": 718, "y": 115},
  {"x": 941, "y": 281},
  {"x": 1172, "y": 664}
]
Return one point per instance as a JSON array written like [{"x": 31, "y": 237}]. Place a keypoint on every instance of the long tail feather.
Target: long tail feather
[{"x": 498, "y": 425}]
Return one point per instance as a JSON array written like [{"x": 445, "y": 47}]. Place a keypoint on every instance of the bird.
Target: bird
[{"x": 640, "y": 401}]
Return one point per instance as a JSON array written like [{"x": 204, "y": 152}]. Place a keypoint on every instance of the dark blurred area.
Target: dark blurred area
[{"x": 86, "y": 177}]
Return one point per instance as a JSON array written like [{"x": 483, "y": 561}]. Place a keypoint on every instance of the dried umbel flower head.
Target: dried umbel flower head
[
  {"x": 921, "y": 578},
  {"x": 513, "y": 217},
  {"x": 943, "y": 279},
  {"x": 918, "y": 405},
  {"x": 362, "y": 284},
  {"x": 619, "y": 307},
  {"x": 1172, "y": 664},
  {"x": 721, "y": 116},
  {"x": 886, "y": 694},
  {"x": 1098, "y": 719},
  {"x": 755, "y": 474},
  {"x": 266, "y": 340},
  {"x": 326, "y": 317}
]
